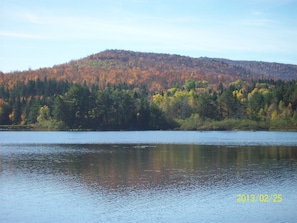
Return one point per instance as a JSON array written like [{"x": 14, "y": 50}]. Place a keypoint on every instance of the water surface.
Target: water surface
[
  {"x": 154, "y": 137},
  {"x": 84, "y": 177}
]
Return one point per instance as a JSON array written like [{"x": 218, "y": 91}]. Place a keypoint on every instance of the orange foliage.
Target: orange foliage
[{"x": 157, "y": 71}]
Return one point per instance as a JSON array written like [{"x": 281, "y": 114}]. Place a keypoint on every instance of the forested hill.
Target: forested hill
[
  {"x": 265, "y": 69},
  {"x": 156, "y": 71}
]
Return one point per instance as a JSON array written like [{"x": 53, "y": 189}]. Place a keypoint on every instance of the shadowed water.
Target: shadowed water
[{"x": 151, "y": 182}]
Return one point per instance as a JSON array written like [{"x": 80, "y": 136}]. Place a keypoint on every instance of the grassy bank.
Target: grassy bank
[
  {"x": 16, "y": 127},
  {"x": 194, "y": 123}
]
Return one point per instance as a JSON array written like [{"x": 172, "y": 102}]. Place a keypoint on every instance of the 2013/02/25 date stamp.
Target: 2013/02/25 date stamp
[{"x": 263, "y": 198}]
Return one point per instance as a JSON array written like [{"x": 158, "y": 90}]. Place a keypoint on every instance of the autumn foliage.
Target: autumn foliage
[
  {"x": 132, "y": 90},
  {"x": 156, "y": 71}
]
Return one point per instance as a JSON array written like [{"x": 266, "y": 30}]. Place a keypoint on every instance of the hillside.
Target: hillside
[
  {"x": 156, "y": 71},
  {"x": 108, "y": 91}
]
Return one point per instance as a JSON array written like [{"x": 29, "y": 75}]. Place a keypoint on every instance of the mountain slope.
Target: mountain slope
[
  {"x": 156, "y": 71},
  {"x": 265, "y": 69}
]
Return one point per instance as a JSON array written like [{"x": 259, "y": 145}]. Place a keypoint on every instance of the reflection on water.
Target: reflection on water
[{"x": 145, "y": 183}]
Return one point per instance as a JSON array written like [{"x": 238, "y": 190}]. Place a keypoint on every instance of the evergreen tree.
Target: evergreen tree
[{"x": 5, "y": 110}]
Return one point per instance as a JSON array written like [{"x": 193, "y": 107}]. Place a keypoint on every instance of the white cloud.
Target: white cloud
[
  {"x": 29, "y": 17},
  {"x": 258, "y": 18},
  {"x": 10, "y": 34}
]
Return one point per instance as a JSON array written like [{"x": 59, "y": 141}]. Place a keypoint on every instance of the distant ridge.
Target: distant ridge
[{"x": 156, "y": 71}]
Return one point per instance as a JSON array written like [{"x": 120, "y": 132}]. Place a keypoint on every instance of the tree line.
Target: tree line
[
  {"x": 51, "y": 104},
  {"x": 260, "y": 104}
]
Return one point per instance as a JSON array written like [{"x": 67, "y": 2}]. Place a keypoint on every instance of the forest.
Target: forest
[
  {"x": 51, "y": 104},
  {"x": 158, "y": 72}
]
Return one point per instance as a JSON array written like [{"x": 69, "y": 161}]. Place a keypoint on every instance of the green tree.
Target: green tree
[
  {"x": 143, "y": 113},
  {"x": 61, "y": 112},
  {"x": 76, "y": 100},
  {"x": 4, "y": 113},
  {"x": 189, "y": 85},
  {"x": 206, "y": 107},
  {"x": 179, "y": 107},
  {"x": 44, "y": 118},
  {"x": 32, "y": 110},
  {"x": 255, "y": 103},
  {"x": 229, "y": 105},
  {"x": 44, "y": 114},
  {"x": 220, "y": 89},
  {"x": 158, "y": 119},
  {"x": 16, "y": 114},
  {"x": 103, "y": 111}
]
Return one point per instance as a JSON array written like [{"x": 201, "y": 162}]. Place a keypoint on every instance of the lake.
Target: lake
[{"x": 148, "y": 176}]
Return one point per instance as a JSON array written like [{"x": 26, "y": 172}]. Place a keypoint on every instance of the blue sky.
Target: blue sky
[{"x": 36, "y": 33}]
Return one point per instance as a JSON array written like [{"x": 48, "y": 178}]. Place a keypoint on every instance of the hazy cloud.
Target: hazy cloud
[{"x": 20, "y": 35}]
